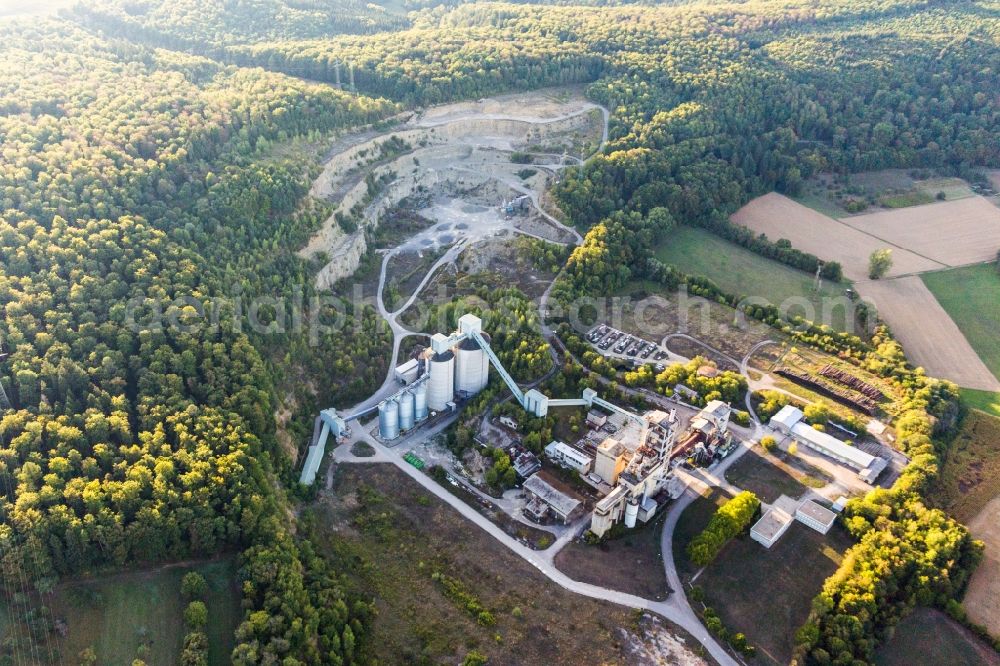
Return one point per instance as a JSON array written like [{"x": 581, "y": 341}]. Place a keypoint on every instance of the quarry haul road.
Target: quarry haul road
[{"x": 675, "y": 609}]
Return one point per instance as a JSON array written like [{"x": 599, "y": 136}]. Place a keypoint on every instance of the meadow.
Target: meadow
[{"x": 971, "y": 295}]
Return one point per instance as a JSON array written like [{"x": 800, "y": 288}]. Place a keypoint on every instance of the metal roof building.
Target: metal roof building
[
  {"x": 790, "y": 421},
  {"x": 562, "y": 505},
  {"x": 815, "y": 516}
]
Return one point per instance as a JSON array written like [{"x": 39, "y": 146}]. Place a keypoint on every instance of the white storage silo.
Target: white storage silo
[
  {"x": 406, "y": 411},
  {"x": 472, "y": 367},
  {"x": 631, "y": 512},
  {"x": 441, "y": 381},
  {"x": 420, "y": 402},
  {"x": 388, "y": 419}
]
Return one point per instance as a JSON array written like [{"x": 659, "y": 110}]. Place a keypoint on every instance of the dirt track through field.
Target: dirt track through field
[
  {"x": 778, "y": 217},
  {"x": 982, "y": 600},
  {"x": 929, "y": 336},
  {"x": 955, "y": 233}
]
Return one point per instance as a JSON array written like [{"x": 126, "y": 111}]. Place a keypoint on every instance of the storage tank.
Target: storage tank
[
  {"x": 631, "y": 513},
  {"x": 420, "y": 402},
  {"x": 388, "y": 419},
  {"x": 406, "y": 411},
  {"x": 472, "y": 367},
  {"x": 441, "y": 383}
]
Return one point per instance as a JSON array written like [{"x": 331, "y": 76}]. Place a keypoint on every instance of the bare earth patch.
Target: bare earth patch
[{"x": 928, "y": 334}]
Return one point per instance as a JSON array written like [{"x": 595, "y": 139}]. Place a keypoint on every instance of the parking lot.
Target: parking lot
[{"x": 614, "y": 343}]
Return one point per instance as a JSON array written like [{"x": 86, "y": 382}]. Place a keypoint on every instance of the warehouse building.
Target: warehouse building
[
  {"x": 771, "y": 526},
  {"x": 789, "y": 421}
]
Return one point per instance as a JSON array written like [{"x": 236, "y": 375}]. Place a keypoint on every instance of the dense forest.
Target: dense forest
[
  {"x": 137, "y": 183},
  {"x": 157, "y": 154}
]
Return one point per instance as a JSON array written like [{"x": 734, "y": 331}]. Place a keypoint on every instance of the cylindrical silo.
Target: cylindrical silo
[
  {"x": 441, "y": 383},
  {"x": 388, "y": 419},
  {"x": 631, "y": 513},
  {"x": 472, "y": 367},
  {"x": 420, "y": 402},
  {"x": 406, "y": 411}
]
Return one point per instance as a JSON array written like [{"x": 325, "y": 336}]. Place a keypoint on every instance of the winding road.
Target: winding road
[{"x": 675, "y": 608}]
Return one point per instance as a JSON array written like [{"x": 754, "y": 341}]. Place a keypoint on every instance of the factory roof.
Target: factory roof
[
  {"x": 832, "y": 445},
  {"x": 443, "y": 356},
  {"x": 658, "y": 416},
  {"x": 820, "y": 514},
  {"x": 772, "y": 523},
  {"x": 787, "y": 417},
  {"x": 562, "y": 504},
  {"x": 717, "y": 408},
  {"x": 409, "y": 365},
  {"x": 612, "y": 447}
]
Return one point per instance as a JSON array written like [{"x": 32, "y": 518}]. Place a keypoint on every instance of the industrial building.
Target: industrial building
[
  {"x": 566, "y": 456},
  {"x": 816, "y": 516},
  {"x": 637, "y": 469},
  {"x": 708, "y": 433},
  {"x": 771, "y": 526},
  {"x": 789, "y": 421},
  {"x": 544, "y": 498},
  {"x": 453, "y": 366},
  {"x": 780, "y": 516}
]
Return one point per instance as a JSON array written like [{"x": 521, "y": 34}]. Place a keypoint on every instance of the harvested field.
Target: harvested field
[
  {"x": 953, "y": 233},
  {"x": 833, "y": 240},
  {"x": 929, "y": 336},
  {"x": 982, "y": 599},
  {"x": 741, "y": 584}
]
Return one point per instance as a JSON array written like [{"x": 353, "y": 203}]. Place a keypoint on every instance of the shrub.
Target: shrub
[
  {"x": 196, "y": 615},
  {"x": 193, "y": 585}
]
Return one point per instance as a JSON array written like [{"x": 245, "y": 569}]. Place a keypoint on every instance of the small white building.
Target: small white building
[
  {"x": 565, "y": 455},
  {"x": 770, "y": 527},
  {"x": 713, "y": 419},
  {"x": 595, "y": 419},
  {"x": 815, "y": 516},
  {"x": 407, "y": 373}
]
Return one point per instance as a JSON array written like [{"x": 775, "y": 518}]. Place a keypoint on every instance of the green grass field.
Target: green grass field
[
  {"x": 116, "y": 614},
  {"x": 769, "y": 476},
  {"x": 984, "y": 401},
  {"x": 930, "y": 637},
  {"x": 741, "y": 584},
  {"x": 971, "y": 295},
  {"x": 745, "y": 273}
]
